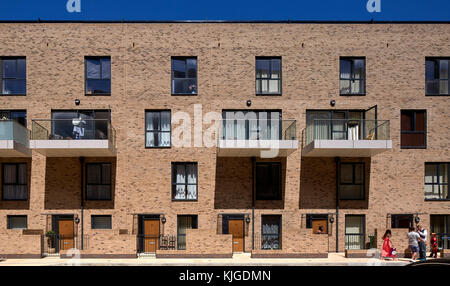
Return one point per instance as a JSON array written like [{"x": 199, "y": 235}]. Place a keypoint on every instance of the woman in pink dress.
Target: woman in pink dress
[{"x": 388, "y": 250}]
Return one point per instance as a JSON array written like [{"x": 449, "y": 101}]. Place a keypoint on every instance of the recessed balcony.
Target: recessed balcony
[
  {"x": 73, "y": 137},
  {"x": 346, "y": 138},
  {"x": 256, "y": 138},
  {"x": 14, "y": 139}
]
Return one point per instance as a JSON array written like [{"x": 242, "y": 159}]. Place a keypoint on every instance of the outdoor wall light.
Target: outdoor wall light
[
  {"x": 77, "y": 220},
  {"x": 249, "y": 103},
  {"x": 333, "y": 102},
  {"x": 331, "y": 219},
  {"x": 77, "y": 101},
  {"x": 163, "y": 220},
  {"x": 417, "y": 219},
  {"x": 248, "y": 220}
]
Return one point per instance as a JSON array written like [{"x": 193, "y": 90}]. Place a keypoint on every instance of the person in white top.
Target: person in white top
[{"x": 422, "y": 243}]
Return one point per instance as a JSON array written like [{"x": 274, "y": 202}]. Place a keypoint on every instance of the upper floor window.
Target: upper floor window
[
  {"x": 98, "y": 181},
  {"x": 413, "y": 129},
  {"x": 101, "y": 222},
  {"x": 17, "y": 222},
  {"x": 184, "y": 75},
  {"x": 14, "y": 76},
  {"x": 352, "y": 76},
  {"x": 14, "y": 181},
  {"x": 268, "y": 75},
  {"x": 20, "y": 116},
  {"x": 351, "y": 181},
  {"x": 436, "y": 181},
  {"x": 157, "y": 128},
  {"x": 268, "y": 181},
  {"x": 401, "y": 220},
  {"x": 98, "y": 75},
  {"x": 437, "y": 78},
  {"x": 184, "y": 181}
]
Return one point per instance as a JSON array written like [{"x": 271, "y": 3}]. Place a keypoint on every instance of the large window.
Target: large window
[
  {"x": 17, "y": 115},
  {"x": 436, "y": 181},
  {"x": 252, "y": 124},
  {"x": 184, "y": 75},
  {"x": 268, "y": 181},
  {"x": 351, "y": 181},
  {"x": 401, "y": 220},
  {"x": 80, "y": 124},
  {"x": 271, "y": 232},
  {"x": 158, "y": 129},
  {"x": 440, "y": 224},
  {"x": 268, "y": 75},
  {"x": 437, "y": 78},
  {"x": 14, "y": 181},
  {"x": 14, "y": 76},
  {"x": 17, "y": 222},
  {"x": 185, "y": 222},
  {"x": 352, "y": 76},
  {"x": 98, "y": 75},
  {"x": 101, "y": 222},
  {"x": 355, "y": 231},
  {"x": 98, "y": 181},
  {"x": 413, "y": 129},
  {"x": 184, "y": 181}
]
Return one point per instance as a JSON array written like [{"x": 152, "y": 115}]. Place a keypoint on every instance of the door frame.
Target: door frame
[
  {"x": 228, "y": 217},
  {"x": 55, "y": 227},
  {"x": 141, "y": 228}
]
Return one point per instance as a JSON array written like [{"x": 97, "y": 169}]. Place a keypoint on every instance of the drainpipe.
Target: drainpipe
[
  {"x": 337, "y": 160},
  {"x": 253, "y": 203},
  {"x": 82, "y": 200}
]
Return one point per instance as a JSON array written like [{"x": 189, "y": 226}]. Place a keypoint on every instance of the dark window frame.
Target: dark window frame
[
  {"x": 9, "y": 112},
  {"x": 260, "y": 79},
  {"x": 438, "y": 183},
  {"x": 186, "y": 184},
  {"x": 353, "y": 180},
  {"x": 172, "y": 77},
  {"x": 437, "y": 71},
  {"x": 279, "y": 194},
  {"x": 17, "y": 179},
  {"x": 93, "y": 217},
  {"x": 193, "y": 227},
  {"x": 311, "y": 217},
  {"x": 280, "y": 233},
  {"x": 158, "y": 131},
  {"x": 352, "y": 79},
  {"x": 99, "y": 58},
  {"x": 364, "y": 225},
  {"x": 414, "y": 124},
  {"x": 395, "y": 219},
  {"x": 12, "y": 78},
  {"x": 8, "y": 222},
  {"x": 86, "y": 198}
]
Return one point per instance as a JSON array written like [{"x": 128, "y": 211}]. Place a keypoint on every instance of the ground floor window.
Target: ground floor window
[
  {"x": 401, "y": 220},
  {"x": 101, "y": 222},
  {"x": 318, "y": 223},
  {"x": 185, "y": 222},
  {"x": 17, "y": 222},
  {"x": 355, "y": 231},
  {"x": 271, "y": 232},
  {"x": 440, "y": 224}
]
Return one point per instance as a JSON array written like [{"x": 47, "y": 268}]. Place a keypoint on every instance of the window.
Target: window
[
  {"x": 268, "y": 181},
  {"x": 101, "y": 222},
  {"x": 436, "y": 181},
  {"x": 252, "y": 124},
  {"x": 271, "y": 232},
  {"x": 185, "y": 222},
  {"x": 353, "y": 76},
  {"x": 98, "y": 75},
  {"x": 184, "y": 181},
  {"x": 184, "y": 75},
  {"x": 437, "y": 78},
  {"x": 14, "y": 76},
  {"x": 80, "y": 124},
  {"x": 268, "y": 75},
  {"x": 14, "y": 181},
  {"x": 317, "y": 222},
  {"x": 98, "y": 181},
  {"x": 440, "y": 224},
  {"x": 351, "y": 181},
  {"x": 355, "y": 231},
  {"x": 401, "y": 220},
  {"x": 413, "y": 129},
  {"x": 17, "y": 115},
  {"x": 17, "y": 222},
  {"x": 158, "y": 129}
]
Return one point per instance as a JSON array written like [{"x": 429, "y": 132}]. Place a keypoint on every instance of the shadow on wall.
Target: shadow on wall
[
  {"x": 318, "y": 184},
  {"x": 63, "y": 183}
]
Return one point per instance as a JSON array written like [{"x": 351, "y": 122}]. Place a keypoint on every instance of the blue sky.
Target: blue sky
[{"x": 391, "y": 10}]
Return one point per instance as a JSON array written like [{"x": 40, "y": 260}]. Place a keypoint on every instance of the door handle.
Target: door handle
[{"x": 236, "y": 242}]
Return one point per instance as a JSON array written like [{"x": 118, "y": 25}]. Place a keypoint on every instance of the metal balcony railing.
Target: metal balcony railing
[
  {"x": 355, "y": 241},
  {"x": 257, "y": 129},
  {"x": 54, "y": 243},
  {"x": 150, "y": 243},
  {"x": 12, "y": 130}
]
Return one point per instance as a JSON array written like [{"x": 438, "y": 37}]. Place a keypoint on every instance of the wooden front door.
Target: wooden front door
[
  {"x": 316, "y": 223},
  {"x": 65, "y": 228},
  {"x": 151, "y": 235},
  {"x": 236, "y": 228}
]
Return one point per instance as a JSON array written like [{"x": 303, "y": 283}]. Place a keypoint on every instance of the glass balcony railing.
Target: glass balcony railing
[
  {"x": 12, "y": 130},
  {"x": 257, "y": 129},
  {"x": 346, "y": 129}
]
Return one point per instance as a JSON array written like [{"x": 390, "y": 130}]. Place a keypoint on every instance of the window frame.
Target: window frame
[
  {"x": 158, "y": 131},
  {"x": 186, "y": 184},
  {"x": 436, "y": 60},
  {"x": 96, "y": 216},
  {"x": 414, "y": 123},
  {"x": 86, "y": 198},
  {"x": 16, "y": 164},
  {"x": 280, "y": 233},
  {"x": 394, "y": 222},
  {"x": 277, "y": 196},
  {"x": 438, "y": 183},
  {"x": 178, "y": 224},
  {"x": 86, "y": 78},
  {"x": 353, "y": 180},
  {"x": 172, "y": 77},
  {"x": 15, "y": 78},
  {"x": 261, "y": 93},
  {"x": 363, "y": 80},
  {"x": 8, "y": 222}
]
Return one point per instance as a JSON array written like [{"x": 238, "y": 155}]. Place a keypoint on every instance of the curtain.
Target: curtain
[
  {"x": 318, "y": 123},
  {"x": 15, "y": 181},
  {"x": 192, "y": 181},
  {"x": 164, "y": 138},
  {"x": 92, "y": 69},
  {"x": 180, "y": 182}
]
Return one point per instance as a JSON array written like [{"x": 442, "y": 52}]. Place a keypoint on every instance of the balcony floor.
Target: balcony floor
[
  {"x": 346, "y": 148},
  {"x": 73, "y": 148}
]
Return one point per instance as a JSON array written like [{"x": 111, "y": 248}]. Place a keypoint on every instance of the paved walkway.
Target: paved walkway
[{"x": 334, "y": 259}]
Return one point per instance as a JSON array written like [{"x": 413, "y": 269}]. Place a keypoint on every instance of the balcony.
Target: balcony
[
  {"x": 14, "y": 139},
  {"x": 256, "y": 138},
  {"x": 346, "y": 138},
  {"x": 73, "y": 137}
]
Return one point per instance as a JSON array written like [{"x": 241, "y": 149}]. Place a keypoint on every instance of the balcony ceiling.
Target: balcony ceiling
[
  {"x": 256, "y": 148},
  {"x": 12, "y": 148},
  {"x": 346, "y": 148}
]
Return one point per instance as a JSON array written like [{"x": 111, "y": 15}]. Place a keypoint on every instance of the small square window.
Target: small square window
[
  {"x": 401, "y": 220},
  {"x": 101, "y": 222},
  {"x": 17, "y": 221}
]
